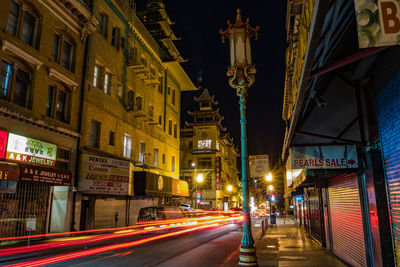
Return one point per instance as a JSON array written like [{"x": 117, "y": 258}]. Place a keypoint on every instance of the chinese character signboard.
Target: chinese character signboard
[
  {"x": 24, "y": 149},
  {"x": 218, "y": 173},
  {"x": 324, "y": 157},
  {"x": 378, "y": 22},
  {"x": 100, "y": 175},
  {"x": 39, "y": 174},
  {"x": 259, "y": 165}
]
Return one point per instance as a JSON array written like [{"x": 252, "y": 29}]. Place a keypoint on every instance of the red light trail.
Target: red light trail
[{"x": 78, "y": 254}]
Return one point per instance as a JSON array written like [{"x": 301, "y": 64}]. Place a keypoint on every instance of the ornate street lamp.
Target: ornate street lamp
[{"x": 241, "y": 76}]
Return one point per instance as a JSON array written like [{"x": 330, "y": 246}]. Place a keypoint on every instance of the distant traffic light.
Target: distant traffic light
[
  {"x": 198, "y": 197},
  {"x": 273, "y": 198}
]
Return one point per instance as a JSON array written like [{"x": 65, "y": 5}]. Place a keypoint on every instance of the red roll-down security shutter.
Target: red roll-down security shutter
[{"x": 346, "y": 219}]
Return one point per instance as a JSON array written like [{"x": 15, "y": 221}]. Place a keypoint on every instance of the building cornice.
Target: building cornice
[{"x": 6, "y": 45}]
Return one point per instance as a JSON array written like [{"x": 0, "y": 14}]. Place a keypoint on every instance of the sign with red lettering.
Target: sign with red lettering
[
  {"x": 39, "y": 174},
  {"x": 3, "y": 144},
  {"x": 28, "y": 150},
  {"x": 324, "y": 157},
  {"x": 378, "y": 22},
  {"x": 100, "y": 175},
  {"x": 218, "y": 173}
]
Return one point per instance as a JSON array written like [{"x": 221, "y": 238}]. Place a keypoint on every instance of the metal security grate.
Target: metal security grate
[
  {"x": 389, "y": 131},
  {"x": 346, "y": 219},
  {"x": 29, "y": 199}
]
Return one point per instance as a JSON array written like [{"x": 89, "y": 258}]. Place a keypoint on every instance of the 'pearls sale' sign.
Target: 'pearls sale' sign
[{"x": 324, "y": 157}]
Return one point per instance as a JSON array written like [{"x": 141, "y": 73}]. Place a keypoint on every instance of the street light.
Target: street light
[
  {"x": 270, "y": 187},
  {"x": 229, "y": 188},
  {"x": 268, "y": 177},
  {"x": 241, "y": 76},
  {"x": 199, "y": 179}
]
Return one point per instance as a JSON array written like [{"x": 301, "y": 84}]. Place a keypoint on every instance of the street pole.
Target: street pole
[
  {"x": 241, "y": 73},
  {"x": 247, "y": 250}
]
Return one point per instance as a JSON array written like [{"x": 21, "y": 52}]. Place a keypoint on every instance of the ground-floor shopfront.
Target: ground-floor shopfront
[
  {"x": 332, "y": 213},
  {"x": 36, "y": 174},
  {"x": 111, "y": 193},
  {"x": 105, "y": 192}
]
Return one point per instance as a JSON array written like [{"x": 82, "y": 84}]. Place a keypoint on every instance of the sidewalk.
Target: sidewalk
[{"x": 287, "y": 245}]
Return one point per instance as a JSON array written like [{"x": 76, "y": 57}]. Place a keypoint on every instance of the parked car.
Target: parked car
[
  {"x": 156, "y": 213},
  {"x": 185, "y": 206}
]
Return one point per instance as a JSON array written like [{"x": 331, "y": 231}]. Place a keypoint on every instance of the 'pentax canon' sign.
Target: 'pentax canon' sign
[
  {"x": 378, "y": 22},
  {"x": 324, "y": 157}
]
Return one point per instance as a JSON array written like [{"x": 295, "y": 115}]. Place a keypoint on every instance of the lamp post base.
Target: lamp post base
[{"x": 248, "y": 256}]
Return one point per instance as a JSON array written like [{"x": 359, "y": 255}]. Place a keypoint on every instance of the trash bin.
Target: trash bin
[{"x": 273, "y": 219}]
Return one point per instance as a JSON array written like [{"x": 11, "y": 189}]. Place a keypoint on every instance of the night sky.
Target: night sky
[{"x": 198, "y": 23}]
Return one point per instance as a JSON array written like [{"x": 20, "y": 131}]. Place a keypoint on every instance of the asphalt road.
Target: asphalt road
[
  {"x": 207, "y": 247},
  {"x": 213, "y": 247}
]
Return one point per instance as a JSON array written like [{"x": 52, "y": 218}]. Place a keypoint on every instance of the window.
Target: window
[
  {"x": 103, "y": 25},
  {"x": 123, "y": 43},
  {"x": 204, "y": 144},
  {"x": 190, "y": 145},
  {"x": 63, "y": 158},
  {"x": 95, "y": 129},
  {"x": 151, "y": 112},
  {"x": 62, "y": 51},
  {"x": 170, "y": 127},
  {"x": 163, "y": 158},
  {"x": 169, "y": 91},
  {"x": 138, "y": 103},
  {"x": 131, "y": 99},
  {"x": 173, "y": 97},
  {"x": 98, "y": 80},
  {"x": 13, "y": 18},
  {"x": 111, "y": 138},
  {"x": 22, "y": 15},
  {"x": 66, "y": 60},
  {"x": 57, "y": 103},
  {"x": 127, "y": 145},
  {"x": 142, "y": 151},
  {"x": 155, "y": 157},
  {"x": 56, "y": 46},
  {"x": 173, "y": 163},
  {"x": 204, "y": 162},
  {"x": 160, "y": 85},
  {"x": 160, "y": 120},
  {"x": 175, "y": 130},
  {"x": 15, "y": 89},
  {"x": 115, "y": 37},
  {"x": 28, "y": 30},
  {"x": 107, "y": 84}
]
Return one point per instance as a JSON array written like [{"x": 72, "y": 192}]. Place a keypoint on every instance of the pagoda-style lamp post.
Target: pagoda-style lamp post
[{"x": 241, "y": 74}]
